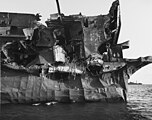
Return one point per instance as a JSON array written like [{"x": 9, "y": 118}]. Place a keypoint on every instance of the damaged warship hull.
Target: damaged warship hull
[{"x": 74, "y": 58}]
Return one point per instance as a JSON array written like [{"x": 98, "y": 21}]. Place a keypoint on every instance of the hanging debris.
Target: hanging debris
[{"x": 74, "y": 58}]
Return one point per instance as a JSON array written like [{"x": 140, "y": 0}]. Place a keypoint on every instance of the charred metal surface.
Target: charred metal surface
[{"x": 74, "y": 58}]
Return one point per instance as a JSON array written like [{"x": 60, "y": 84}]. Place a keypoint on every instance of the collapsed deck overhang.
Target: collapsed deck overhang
[{"x": 73, "y": 58}]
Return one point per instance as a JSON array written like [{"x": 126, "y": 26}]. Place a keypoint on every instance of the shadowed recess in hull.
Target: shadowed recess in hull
[{"x": 74, "y": 58}]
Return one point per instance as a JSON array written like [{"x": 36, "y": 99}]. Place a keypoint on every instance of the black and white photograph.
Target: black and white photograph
[{"x": 76, "y": 60}]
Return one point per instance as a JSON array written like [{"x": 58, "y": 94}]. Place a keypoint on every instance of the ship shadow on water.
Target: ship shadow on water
[{"x": 74, "y": 111}]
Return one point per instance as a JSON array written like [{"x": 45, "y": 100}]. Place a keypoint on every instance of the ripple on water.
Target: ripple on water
[
  {"x": 139, "y": 107},
  {"x": 140, "y": 99}
]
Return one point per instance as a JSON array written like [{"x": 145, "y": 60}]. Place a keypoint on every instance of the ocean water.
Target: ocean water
[{"x": 139, "y": 107}]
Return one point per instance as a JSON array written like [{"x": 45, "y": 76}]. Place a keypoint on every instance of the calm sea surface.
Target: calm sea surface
[{"x": 139, "y": 107}]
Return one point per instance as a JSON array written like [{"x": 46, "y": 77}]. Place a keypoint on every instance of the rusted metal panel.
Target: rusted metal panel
[{"x": 74, "y": 58}]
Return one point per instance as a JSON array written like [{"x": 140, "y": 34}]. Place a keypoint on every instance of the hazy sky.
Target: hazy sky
[{"x": 136, "y": 19}]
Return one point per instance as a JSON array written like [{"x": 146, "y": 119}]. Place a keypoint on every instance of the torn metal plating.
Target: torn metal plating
[{"x": 74, "y": 58}]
